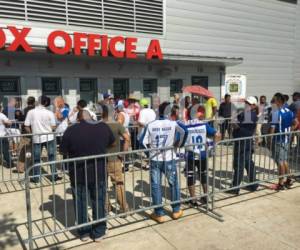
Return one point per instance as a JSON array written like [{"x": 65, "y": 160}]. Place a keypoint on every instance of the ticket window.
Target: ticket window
[
  {"x": 121, "y": 88},
  {"x": 149, "y": 87},
  {"x": 88, "y": 89},
  {"x": 176, "y": 86},
  {"x": 200, "y": 81},
  {"x": 51, "y": 87},
  {"x": 10, "y": 87}
]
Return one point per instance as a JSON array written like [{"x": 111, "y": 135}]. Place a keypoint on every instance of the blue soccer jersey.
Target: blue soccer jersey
[{"x": 282, "y": 122}]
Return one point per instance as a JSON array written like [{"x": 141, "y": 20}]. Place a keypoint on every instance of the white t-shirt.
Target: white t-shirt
[
  {"x": 146, "y": 116},
  {"x": 41, "y": 121},
  {"x": 3, "y": 120}
]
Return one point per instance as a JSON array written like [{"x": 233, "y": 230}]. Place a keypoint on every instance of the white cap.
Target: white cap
[{"x": 251, "y": 100}]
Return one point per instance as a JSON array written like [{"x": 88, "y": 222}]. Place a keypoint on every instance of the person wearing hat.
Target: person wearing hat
[
  {"x": 147, "y": 114},
  {"x": 245, "y": 126}
]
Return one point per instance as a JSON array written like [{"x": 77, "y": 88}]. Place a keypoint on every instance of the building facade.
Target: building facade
[{"x": 201, "y": 42}]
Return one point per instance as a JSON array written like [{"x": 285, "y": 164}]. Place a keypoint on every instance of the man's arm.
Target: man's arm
[
  {"x": 120, "y": 118},
  {"x": 27, "y": 122},
  {"x": 145, "y": 138},
  {"x": 182, "y": 133},
  {"x": 126, "y": 141}
]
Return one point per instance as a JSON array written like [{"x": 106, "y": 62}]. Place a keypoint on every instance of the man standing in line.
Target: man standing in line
[
  {"x": 88, "y": 178},
  {"x": 41, "y": 121},
  {"x": 198, "y": 131},
  {"x": 225, "y": 112},
  {"x": 160, "y": 134},
  {"x": 114, "y": 163},
  {"x": 283, "y": 122},
  {"x": 243, "y": 149},
  {"x": 4, "y": 144}
]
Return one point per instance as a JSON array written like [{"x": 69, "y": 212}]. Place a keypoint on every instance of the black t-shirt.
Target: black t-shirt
[{"x": 87, "y": 139}]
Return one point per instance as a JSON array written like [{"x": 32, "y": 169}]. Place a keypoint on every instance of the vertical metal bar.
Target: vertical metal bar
[
  {"x": 42, "y": 202},
  {"x": 133, "y": 190},
  {"x": 97, "y": 187},
  {"x": 213, "y": 177},
  {"x": 65, "y": 194},
  {"x": 28, "y": 208},
  {"x": 76, "y": 191},
  {"x": 86, "y": 190}
]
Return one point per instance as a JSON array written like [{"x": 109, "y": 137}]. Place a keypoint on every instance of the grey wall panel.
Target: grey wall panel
[
  {"x": 297, "y": 54},
  {"x": 262, "y": 32}
]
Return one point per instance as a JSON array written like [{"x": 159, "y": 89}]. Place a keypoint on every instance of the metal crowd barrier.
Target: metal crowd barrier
[
  {"x": 66, "y": 207},
  {"x": 243, "y": 163},
  {"x": 17, "y": 153}
]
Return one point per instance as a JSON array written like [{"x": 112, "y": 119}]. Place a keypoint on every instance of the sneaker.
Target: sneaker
[
  {"x": 279, "y": 187},
  {"x": 203, "y": 200},
  {"x": 84, "y": 237},
  {"x": 177, "y": 215},
  {"x": 289, "y": 183},
  {"x": 99, "y": 239},
  {"x": 157, "y": 218},
  {"x": 233, "y": 191}
]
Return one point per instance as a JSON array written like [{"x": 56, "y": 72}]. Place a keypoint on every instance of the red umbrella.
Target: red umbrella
[{"x": 197, "y": 90}]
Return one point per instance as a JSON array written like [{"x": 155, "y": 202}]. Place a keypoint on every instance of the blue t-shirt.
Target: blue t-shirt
[{"x": 282, "y": 122}]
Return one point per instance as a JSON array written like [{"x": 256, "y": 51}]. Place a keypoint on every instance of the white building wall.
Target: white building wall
[
  {"x": 297, "y": 54},
  {"x": 262, "y": 32}
]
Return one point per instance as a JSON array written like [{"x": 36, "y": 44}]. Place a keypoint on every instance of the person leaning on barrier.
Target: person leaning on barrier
[
  {"x": 283, "y": 121},
  {"x": 225, "y": 111},
  {"x": 198, "y": 131},
  {"x": 4, "y": 143},
  {"x": 158, "y": 135},
  {"x": 114, "y": 163},
  {"x": 41, "y": 121},
  {"x": 244, "y": 148},
  {"x": 88, "y": 178}
]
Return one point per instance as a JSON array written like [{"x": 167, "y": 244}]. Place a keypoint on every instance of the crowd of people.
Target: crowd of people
[{"x": 120, "y": 125}]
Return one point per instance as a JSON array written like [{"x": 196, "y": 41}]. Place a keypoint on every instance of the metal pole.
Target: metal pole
[{"x": 28, "y": 208}]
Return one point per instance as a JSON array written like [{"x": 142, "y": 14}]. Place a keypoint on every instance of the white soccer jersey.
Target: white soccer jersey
[
  {"x": 197, "y": 134},
  {"x": 163, "y": 133}
]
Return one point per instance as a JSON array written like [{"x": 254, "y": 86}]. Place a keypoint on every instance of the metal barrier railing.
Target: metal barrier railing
[
  {"x": 19, "y": 151},
  {"x": 131, "y": 192},
  {"x": 96, "y": 177},
  {"x": 278, "y": 158}
]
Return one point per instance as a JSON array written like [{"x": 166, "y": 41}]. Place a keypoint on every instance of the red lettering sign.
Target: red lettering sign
[
  {"x": 154, "y": 50},
  {"x": 2, "y": 38},
  {"x": 19, "y": 40},
  {"x": 59, "y": 50},
  {"x": 80, "y": 41}
]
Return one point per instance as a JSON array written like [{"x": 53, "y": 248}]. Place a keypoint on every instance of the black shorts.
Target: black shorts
[{"x": 192, "y": 167}]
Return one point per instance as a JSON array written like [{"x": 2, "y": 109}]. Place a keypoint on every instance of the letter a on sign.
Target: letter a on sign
[{"x": 154, "y": 50}]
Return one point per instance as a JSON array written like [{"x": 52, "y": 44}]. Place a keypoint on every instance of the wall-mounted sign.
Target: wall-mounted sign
[
  {"x": 235, "y": 85},
  {"x": 9, "y": 85},
  {"x": 77, "y": 43}
]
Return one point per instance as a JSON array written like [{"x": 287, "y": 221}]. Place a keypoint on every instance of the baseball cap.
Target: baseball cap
[
  {"x": 251, "y": 100},
  {"x": 144, "y": 102},
  {"x": 108, "y": 96}
]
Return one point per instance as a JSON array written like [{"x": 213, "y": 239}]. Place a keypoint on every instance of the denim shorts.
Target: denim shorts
[{"x": 280, "y": 152}]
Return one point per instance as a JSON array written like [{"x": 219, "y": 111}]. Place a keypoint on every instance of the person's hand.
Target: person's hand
[{"x": 218, "y": 137}]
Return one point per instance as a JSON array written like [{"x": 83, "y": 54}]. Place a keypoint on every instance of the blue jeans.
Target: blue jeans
[
  {"x": 170, "y": 171},
  {"x": 37, "y": 150},
  {"x": 81, "y": 196},
  {"x": 4, "y": 147}
]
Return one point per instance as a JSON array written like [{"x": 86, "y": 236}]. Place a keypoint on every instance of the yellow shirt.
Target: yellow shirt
[{"x": 209, "y": 105}]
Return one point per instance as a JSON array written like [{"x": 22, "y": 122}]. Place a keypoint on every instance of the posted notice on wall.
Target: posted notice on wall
[{"x": 235, "y": 85}]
